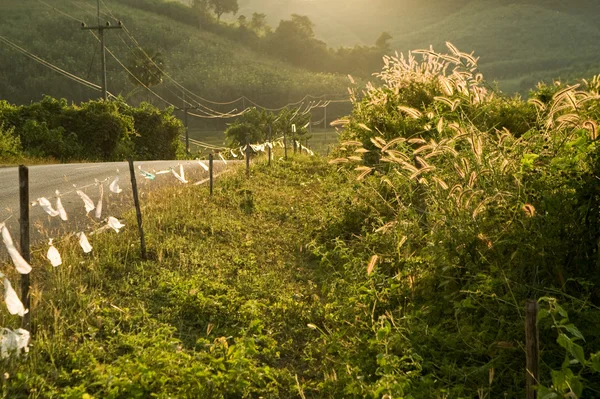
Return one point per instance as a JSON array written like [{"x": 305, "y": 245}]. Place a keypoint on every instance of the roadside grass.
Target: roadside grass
[{"x": 220, "y": 309}]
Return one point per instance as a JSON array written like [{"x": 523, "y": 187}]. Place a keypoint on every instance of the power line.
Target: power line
[{"x": 51, "y": 66}]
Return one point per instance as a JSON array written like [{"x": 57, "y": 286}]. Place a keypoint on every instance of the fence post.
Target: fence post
[
  {"x": 138, "y": 210},
  {"x": 24, "y": 230},
  {"x": 284, "y": 146},
  {"x": 247, "y": 160},
  {"x": 210, "y": 172},
  {"x": 532, "y": 349},
  {"x": 269, "y": 154}
]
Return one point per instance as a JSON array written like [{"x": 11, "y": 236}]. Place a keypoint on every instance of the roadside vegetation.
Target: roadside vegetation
[
  {"x": 399, "y": 268},
  {"x": 95, "y": 131}
]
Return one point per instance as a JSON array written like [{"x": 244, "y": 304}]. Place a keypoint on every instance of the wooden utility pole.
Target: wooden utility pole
[
  {"x": 185, "y": 123},
  {"x": 25, "y": 252},
  {"x": 532, "y": 349},
  {"x": 101, "y": 29}
]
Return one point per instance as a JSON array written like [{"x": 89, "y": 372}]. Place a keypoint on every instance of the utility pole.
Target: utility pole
[
  {"x": 185, "y": 123},
  {"x": 101, "y": 29}
]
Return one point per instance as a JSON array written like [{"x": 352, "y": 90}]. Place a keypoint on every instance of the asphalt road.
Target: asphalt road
[{"x": 44, "y": 180}]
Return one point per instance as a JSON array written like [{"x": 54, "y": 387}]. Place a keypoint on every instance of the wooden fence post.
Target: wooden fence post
[
  {"x": 248, "y": 160},
  {"x": 532, "y": 349},
  {"x": 284, "y": 146},
  {"x": 210, "y": 172},
  {"x": 138, "y": 210},
  {"x": 25, "y": 251},
  {"x": 269, "y": 154}
]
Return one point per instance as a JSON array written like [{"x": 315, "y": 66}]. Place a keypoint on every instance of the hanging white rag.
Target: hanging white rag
[
  {"x": 60, "y": 208},
  {"x": 85, "y": 244},
  {"x": 115, "y": 224},
  {"x": 89, "y": 205},
  {"x": 53, "y": 255},
  {"x": 20, "y": 264},
  {"x": 203, "y": 165},
  {"x": 99, "y": 206},
  {"x": 114, "y": 186},
  {"x": 13, "y": 342},
  {"x": 47, "y": 206},
  {"x": 13, "y": 303}
]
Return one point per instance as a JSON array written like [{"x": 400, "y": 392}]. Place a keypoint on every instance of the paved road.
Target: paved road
[{"x": 44, "y": 180}]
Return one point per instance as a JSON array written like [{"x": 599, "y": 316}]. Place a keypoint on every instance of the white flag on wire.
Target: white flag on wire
[
  {"x": 20, "y": 264},
  {"x": 115, "y": 224},
  {"x": 99, "y": 206},
  {"x": 89, "y": 205},
  {"x": 114, "y": 186},
  {"x": 53, "y": 255},
  {"x": 60, "y": 208},
  {"x": 85, "y": 244},
  {"x": 47, "y": 206},
  {"x": 13, "y": 303}
]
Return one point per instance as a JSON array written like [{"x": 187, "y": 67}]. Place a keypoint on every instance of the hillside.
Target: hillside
[
  {"x": 206, "y": 63},
  {"x": 519, "y": 42}
]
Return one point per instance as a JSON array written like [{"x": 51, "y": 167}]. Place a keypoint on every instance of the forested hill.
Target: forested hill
[
  {"x": 519, "y": 41},
  {"x": 217, "y": 65}
]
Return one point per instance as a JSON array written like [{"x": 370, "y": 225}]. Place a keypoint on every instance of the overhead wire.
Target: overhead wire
[{"x": 55, "y": 68}]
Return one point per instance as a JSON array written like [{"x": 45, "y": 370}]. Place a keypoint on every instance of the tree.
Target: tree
[
  {"x": 383, "y": 41},
  {"x": 242, "y": 21},
  {"x": 201, "y": 9},
  {"x": 259, "y": 24},
  {"x": 146, "y": 67},
  {"x": 221, "y": 7}
]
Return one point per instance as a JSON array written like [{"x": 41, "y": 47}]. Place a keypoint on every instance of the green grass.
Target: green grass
[{"x": 220, "y": 310}]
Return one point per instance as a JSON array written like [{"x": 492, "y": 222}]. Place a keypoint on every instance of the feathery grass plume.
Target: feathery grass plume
[
  {"x": 339, "y": 160},
  {"x": 416, "y": 140},
  {"x": 365, "y": 171},
  {"x": 422, "y": 162},
  {"x": 422, "y": 148},
  {"x": 592, "y": 126},
  {"x": 354, "y": 158},
  {"x": 472, "y": 179},
  {"x": 412, "y": 112},
  {"x": 365, "y": 127},
  {"x": 361, "y": 150},
  {"x": 409, "y": 167},
  {"x": 529, "y": 210},
  {"x": 445, "y": 100},
  {"x": 440, "y": 183},
  {"x": 339, "y": 122},
  {"x": 459, "y": 171},
  {"x": 440, "y": 125},
  {"x": 397, "y": 156},
  {"x": 378, "y": 142},
  {"x": 421, "y": 171},
  {"x": 386, "y": 227},
  {"x": 457, "y": 188},
  {"x": 393, "y": 142},
  {"x": 352, "y": 143},
  {"x": 372, "y": 264},
  {"x": 446, "y": 85}
]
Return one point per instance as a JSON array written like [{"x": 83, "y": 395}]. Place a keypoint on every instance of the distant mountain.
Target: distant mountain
[
  {"x": 212, "y": 65},
  {"x": 519, "y": 42}
]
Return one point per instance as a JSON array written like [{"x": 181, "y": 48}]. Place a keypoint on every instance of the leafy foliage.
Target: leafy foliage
[{"x": 95, "y": 130}]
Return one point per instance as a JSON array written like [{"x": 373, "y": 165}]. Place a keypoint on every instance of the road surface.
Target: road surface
[{"x": 44, "y": 180}]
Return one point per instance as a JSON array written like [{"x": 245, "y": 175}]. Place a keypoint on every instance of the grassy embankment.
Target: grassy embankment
[{"x": 221, "y": 308}]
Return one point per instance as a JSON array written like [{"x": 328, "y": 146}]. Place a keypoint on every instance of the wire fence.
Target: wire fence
[{"x": 93, "y": 199}]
